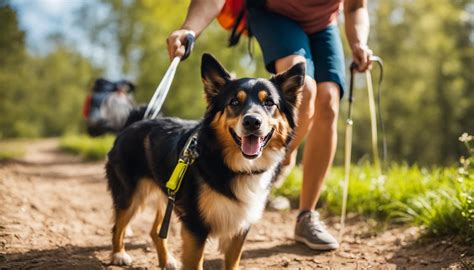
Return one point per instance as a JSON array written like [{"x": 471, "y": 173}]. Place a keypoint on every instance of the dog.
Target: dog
[{"x": 241, "y": 141}]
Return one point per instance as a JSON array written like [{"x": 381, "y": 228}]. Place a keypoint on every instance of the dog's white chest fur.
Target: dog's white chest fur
[{"x": 228, "y": 217}]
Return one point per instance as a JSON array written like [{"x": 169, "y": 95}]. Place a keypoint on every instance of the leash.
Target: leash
[
  {"x": 189, "y": 153},
  {"x": 187, "y": 157},
  {"x": 158, "y": 98},
  {"x": 348, "y": 133}
]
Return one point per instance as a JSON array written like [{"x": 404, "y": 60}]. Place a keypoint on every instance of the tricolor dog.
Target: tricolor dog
[{"x": 241, "y": 141}]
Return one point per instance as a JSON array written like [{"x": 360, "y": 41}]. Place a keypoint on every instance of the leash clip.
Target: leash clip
[
  {"x": 171, "y": 194},
  {"x": 189, "y": 154}
]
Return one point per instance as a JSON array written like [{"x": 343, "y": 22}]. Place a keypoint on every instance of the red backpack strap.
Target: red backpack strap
[
  {"x": 239, "y": 28},
  {"x": 233, "y": 17},
  {"x": 86, "y": 107}
]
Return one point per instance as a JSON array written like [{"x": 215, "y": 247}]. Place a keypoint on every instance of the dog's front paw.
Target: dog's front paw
[
  {"x": 172, "y": 263},
  {"x": 121, "y": 258}
]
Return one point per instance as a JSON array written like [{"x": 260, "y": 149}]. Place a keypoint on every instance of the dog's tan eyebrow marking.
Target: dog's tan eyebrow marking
[
  {"x": 241, "y": 96},
  {"x": 262, "y": 95}
]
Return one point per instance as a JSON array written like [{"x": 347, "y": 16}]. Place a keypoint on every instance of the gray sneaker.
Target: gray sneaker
[{"x": 311, "y": 231}]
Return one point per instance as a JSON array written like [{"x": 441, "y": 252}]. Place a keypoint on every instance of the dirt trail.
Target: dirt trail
[{"x": 55, "y": 213}]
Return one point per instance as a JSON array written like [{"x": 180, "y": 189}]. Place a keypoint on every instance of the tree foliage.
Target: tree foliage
[
  {"x": 39, "y": 95},
  {"x": 427, "y": 47},
  {"x": 140, "y": 29},
  {"x": 428, "y": 91}
]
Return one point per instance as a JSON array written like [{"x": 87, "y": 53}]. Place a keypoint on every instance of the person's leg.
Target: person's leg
[
  {"x": 305, "y": 111},
  {"x": 320, "y": 147},
  {"x": 320, "y": 144},
  {"x": 317, "y": 159}
]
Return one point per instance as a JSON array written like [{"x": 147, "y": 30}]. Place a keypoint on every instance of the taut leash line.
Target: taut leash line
[
  {"x": 189, "y": 152},
  {"x": 158, "y": 98}
]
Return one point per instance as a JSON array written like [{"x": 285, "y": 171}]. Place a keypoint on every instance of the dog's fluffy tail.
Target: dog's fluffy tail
[{"x": 135, "y": 115}]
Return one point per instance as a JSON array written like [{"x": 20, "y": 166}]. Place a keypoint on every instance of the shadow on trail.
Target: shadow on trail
[
  {"x": 288, "y": 248},
  {"x": 431, "y": 253},
  {"x": 66, "y": 176},
  {"x": 68, "y": 257},
  {"x": 14, "y": 161}
]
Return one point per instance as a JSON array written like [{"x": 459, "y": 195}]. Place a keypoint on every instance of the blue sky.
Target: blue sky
[{"x": 41, "y": 18}]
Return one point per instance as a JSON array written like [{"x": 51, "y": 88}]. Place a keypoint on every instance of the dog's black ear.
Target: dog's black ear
[
  {"x": 214, "y": 76},
  {"x": 290, "y": 83}
]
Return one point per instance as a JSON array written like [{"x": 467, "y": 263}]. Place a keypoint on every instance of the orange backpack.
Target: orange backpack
[{"x": 233, "y": 17}]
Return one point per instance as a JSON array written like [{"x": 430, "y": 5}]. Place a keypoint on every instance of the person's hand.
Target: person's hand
[
  {"x": 361, "y": 55},
  {"x": 175, "y": 42}
]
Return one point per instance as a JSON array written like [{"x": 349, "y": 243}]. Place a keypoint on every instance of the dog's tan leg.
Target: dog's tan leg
[
  {"x": 193, "y": 250},
  {"x": 122, "y": 218},
  {"x": 165, "y": 259},
  {"x": 234, "y": 251}
]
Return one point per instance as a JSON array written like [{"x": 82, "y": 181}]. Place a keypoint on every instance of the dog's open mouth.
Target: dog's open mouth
[{"x": 251, "y": 145}]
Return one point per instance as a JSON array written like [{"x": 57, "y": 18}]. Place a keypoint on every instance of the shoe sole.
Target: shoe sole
[{"x": 316, "y": 246}]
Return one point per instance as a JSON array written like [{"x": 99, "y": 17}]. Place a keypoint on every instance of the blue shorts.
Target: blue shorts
[{"x": 280, "y": 36}]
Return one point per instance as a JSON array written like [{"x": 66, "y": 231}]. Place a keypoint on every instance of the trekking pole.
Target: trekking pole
[
  {"x": 158, "y": 98},
  {"x": 348, "y": 134},
  {"x": 347, "y": 152},
  {"x": 373, "y": 122},
  {"x": 383, "y": 164},
  {"x": 373, "y": 118}
]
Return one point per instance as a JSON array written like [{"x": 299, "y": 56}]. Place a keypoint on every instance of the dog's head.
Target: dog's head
[{"x": 254, "y": 119}]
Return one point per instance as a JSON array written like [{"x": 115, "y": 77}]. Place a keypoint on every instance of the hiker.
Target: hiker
[
  {"x": 301, "y": 31},
  {"x": 107, "y": 106}
]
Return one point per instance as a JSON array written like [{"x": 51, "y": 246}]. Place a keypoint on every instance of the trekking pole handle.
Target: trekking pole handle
[
  {"x": 353, "y": 67},
  {"x": 373, "y": 58},
  {"x": 188, "y": 45}
]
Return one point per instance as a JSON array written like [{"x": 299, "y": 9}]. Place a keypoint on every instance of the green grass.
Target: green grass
[
  {"x": 438, "y": 199},
  {"x": 12, "y": 148},
  {"x": 90, "y": 149}
]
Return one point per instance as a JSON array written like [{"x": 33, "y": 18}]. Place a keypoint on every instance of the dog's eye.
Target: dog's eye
[
  {"x": 234, "y": 102},
  {"x": 269, "y": 103}
]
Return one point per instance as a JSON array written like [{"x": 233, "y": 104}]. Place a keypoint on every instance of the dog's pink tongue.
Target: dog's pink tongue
[{"x": 251, "y": 145}]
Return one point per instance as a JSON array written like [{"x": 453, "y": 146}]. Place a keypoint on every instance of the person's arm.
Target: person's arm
[
  {"x": 357, "y": 31},
  {"x": 200, "y": 15}
]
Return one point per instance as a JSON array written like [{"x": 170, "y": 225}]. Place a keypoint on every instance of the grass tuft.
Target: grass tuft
[
  {"x": 90, "y": 149},
  {"x": 12, "y": 148}
]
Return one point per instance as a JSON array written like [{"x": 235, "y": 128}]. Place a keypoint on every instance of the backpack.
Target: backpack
[
  {"x": 233, "y": 17},
  {"x": 107, "y": 107}
]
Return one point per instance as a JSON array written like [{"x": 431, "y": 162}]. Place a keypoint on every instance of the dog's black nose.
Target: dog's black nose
[{"x": 252, "y": 122}]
